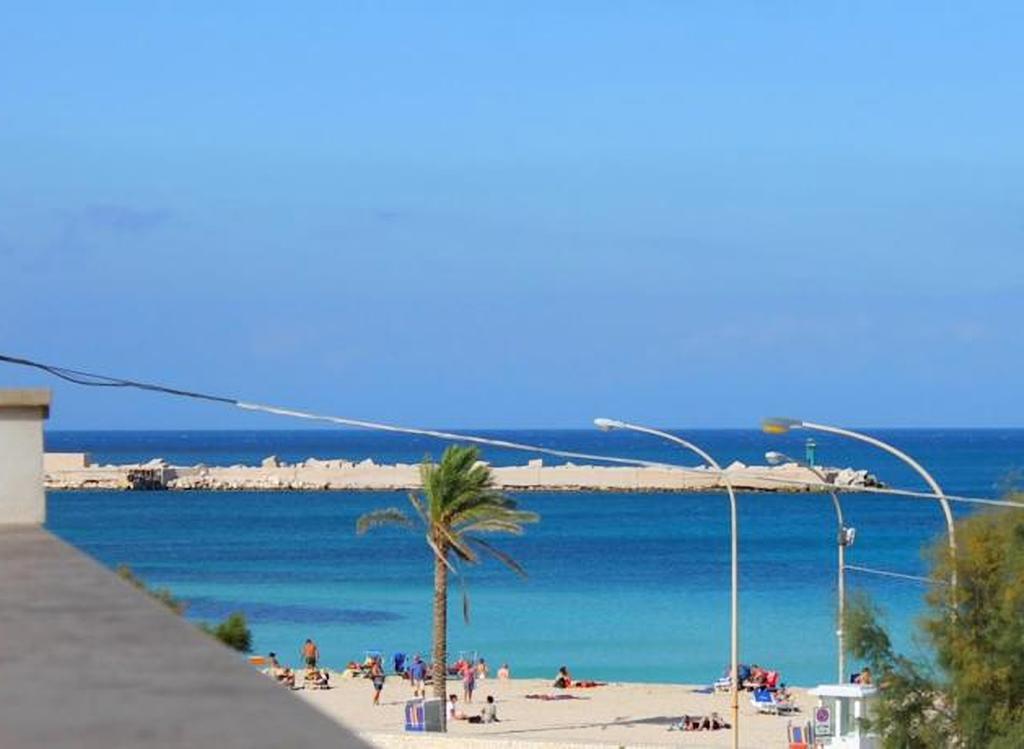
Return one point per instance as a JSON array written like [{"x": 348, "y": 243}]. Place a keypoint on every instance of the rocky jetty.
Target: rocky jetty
[{"x": 73, "y": 471}]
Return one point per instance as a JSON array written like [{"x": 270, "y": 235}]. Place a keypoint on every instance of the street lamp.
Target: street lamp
[
  {"x": 609, "y": 424},
  {"x": 844, "y": 538},
  {"x": 782, "y": 425}
]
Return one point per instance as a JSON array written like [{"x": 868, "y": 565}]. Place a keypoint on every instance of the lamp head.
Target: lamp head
[
  {"x": 606, "y": 425},
  {"x": 779, "y": 425},
  {"x": 776, "y": 458}
]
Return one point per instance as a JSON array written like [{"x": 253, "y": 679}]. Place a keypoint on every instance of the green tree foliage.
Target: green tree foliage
[
  {"x": 163, "y": 595},
  {"x": 233, "y": 631},
  {"x": 971, "y": 692},
  {"x": 460, "y": 504}
]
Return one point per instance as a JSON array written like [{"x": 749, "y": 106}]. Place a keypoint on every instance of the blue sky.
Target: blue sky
[{"x": 518, "y": 214}]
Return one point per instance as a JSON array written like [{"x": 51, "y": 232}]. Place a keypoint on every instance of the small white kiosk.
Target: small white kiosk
[{"x": 837, "y": 718}]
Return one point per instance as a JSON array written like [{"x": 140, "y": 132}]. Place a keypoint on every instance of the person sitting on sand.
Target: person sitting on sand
[
  {"x": 503, "y": 673},
  {"x": 453, "y": 708},
  {"x": 758, "y": 677},
  {"x": 564, "y": 679},
  {"x": 287, "y": 678},
  {"x": 489, "y": 713},
  {"x": 273, "y": 669}
]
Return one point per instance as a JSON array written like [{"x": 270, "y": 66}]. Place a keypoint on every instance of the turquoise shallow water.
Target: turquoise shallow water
[{"x": 622, "y": 587}]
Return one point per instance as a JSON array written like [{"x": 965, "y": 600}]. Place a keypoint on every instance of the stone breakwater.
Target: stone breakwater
[{"x": 73, "y": 471}]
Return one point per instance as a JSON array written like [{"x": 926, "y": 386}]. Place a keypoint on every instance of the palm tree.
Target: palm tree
[{"x": 459, "y": 503}]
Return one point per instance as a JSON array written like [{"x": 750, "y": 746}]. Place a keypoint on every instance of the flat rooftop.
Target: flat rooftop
[{"x": 87, "y": 661}]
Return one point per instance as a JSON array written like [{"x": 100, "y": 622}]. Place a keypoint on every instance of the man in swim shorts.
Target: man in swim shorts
[{"x": 310, "y": 654}]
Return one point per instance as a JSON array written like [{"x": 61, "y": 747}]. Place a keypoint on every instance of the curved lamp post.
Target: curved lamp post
[
  {"x": 844, "y": 538},
  {"x": 782, "y": 425},
  {"x": 609, "y": 424}
]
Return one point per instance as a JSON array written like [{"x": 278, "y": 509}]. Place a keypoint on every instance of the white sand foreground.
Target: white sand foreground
[{"x": 620, "y": 714}]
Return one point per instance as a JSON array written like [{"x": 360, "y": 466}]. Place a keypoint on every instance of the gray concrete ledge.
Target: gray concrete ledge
[
  {"x": 88, "y": 662},
  {"x": 25, "y": 398}
]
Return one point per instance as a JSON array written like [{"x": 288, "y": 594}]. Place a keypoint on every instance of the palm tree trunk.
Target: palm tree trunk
[{"x": 440, "y": 669}]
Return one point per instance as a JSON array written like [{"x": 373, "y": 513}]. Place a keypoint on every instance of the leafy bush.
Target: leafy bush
[
  {"x": 163, "y": 595},
  {"x": 233, "y": 632},
  {"x": 968, "y": 692}
]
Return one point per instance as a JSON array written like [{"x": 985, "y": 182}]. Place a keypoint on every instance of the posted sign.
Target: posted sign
[{"x": 823, "y": 721}]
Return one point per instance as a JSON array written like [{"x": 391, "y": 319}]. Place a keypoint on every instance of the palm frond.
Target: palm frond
[
  {"x": 464, "y": 591},
  {"x": 439, "y": 554},
  {"x": 495, "y": 519},
  {"x": 417, "y": 504},
  {"x": 457, "y": 543},
  {"x": 387, "y": 516},
  {"x": 500, "y": 555}
]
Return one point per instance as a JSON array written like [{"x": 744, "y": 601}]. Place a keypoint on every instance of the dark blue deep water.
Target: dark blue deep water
[{"x": 621, "y": 586}]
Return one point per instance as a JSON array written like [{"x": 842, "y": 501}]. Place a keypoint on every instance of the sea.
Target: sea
[{"x": 620, "y": 587}]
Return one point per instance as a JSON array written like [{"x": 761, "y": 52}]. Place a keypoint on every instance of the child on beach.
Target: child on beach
[{"x": 377, "y": 678}]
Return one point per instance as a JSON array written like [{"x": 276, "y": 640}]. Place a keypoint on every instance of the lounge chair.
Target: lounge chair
[
  {"x": 768, "y": 703},
  {"x": 724, "y": 684}
]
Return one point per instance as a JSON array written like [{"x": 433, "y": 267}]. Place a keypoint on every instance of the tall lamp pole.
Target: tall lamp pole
[
  {"x": 608, "y": 425},
  {"x": 844, "y": 538},
  {"x": 782, "y": 425}
]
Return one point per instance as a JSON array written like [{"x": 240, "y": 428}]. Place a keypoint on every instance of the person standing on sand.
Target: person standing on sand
[
  {"x": 504, "y": 674},
  {"x": 377, "y": 678},
  {"x": 417, "y": 675},
  {"x": 310, "y": 653},
  {"x": 481, "y": 670},
  {"x": 468, "y": 682}
]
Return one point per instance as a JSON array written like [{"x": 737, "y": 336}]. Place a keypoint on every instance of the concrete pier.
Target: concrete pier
[{"x": 74, "y": 471}]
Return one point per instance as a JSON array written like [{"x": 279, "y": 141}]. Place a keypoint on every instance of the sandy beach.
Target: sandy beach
[{"x": 619, "y": 714}]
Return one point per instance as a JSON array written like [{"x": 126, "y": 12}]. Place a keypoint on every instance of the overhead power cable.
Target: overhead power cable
[
  {"x": 92, "y": 379},
  {"x": 899, "y": 575}
]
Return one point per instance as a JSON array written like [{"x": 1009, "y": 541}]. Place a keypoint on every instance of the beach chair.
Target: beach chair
[
  {"x": 800, "y": 736},
  {"x": 769, "y": 704},
  {"x": 724, "y": 684}
]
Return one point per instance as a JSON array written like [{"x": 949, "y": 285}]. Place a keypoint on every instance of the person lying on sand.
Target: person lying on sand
[
  {"x": 547, "y": 697},
  {"x": 700, "y": 723}
]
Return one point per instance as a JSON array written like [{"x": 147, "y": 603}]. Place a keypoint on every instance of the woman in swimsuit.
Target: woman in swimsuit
[{"x": 564, "y": 679}]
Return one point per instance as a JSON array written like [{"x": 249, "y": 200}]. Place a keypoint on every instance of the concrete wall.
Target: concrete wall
[
  {"x": 22, "y": 499},
  {"x": 65, "y": 461}
]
